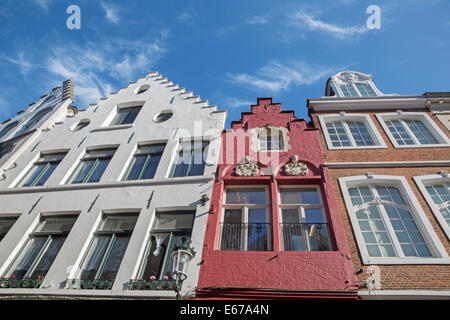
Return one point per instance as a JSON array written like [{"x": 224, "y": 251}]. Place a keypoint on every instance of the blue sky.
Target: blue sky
[{"x": 229, "y": 52}]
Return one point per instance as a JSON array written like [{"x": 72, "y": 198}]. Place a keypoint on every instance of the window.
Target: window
[
  {"x": 108, "y": 247},
  {"x": 169, "y": 230},
  {"x": 42, "y": 247},
  {"x": 387, "y": 222},
  {"x": 357, "y": 89},
  {"x": 7, "y": 128},
  {"x": 350, "y": 131},
  {"x": 126, "y": 115},
  {"x": 81, "y": 124},
  {"x": 412, "y": 129},
  {"x": 142, "y": 89},
  {"x": 190, "y": 160},
  {"x": 271, "y": 140},
  {"x": 303, "y": 221},
  {"x": 163, "y": 116},
  {"x": 33, "y": 122},
  {"x": 41, "y": 170},
  {"x": 6, "y": 223},
  {"x": 435, "y": 189},
  {"x": 245, "y": 222},
  {"x": 92, "y": 166},
  {"x": 145, "y": 162}
]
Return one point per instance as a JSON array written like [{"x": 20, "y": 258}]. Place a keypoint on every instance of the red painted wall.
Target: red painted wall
[{"x": 276, "y": 270}]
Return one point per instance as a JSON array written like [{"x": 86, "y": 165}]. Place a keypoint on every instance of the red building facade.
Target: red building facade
[{"x": 274, "y": 229}]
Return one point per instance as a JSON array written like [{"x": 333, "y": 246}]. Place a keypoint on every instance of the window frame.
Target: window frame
[
  {"x": 423, "y": 117},
  {"x": 33, "y": 234},
  {"x": 435, "y": 247},
  {"x": 176, "y": 156},
  {"x": 430, "y": 180},
  {"x": 343, "y": 118},
  {"x": 89, "y": 245},
  {"x": 132, "y": 160},
  {"x": 9, "y": 217},
  {"x": 85, "y": 157},
  {"x": 301, "y": 211},
  {"x": 172, "y": 233},
  {"x": 40, "y": 160},
  {"x": 119, "y": 110},
  {"x": 244, "y": 216}
]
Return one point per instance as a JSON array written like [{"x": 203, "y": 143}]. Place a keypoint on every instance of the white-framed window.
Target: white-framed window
[
  {"x": 435, "y": 189},
  {"x": 6, "y": 223},
  {"x": 190, "y": 159},
  {"x": 145, "y": 161},
  {"x": 350, "y": 131},
  {"x": 389, "y": 225},
  {"x": 42, "y": 169},
  {"x": 41, "y": 247},
  {"x": 412, "y": 129},
  {"x": 356, "y": 89},
  {"x": 304, "y": 225},
  {"x": 245, "y": 222},
  {"x": 270, "y": 139}
]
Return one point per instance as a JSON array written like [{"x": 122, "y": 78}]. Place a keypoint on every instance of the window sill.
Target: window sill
[
  {"x": 442, "y": 145},
  {"x": 405, "y": 261},
  {"x": 118, "y": 127},
  {"x": 358, "y": 148}
]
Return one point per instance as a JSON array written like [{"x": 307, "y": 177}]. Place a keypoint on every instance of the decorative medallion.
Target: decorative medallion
[
  {"x": 247, "y": 169},
  {"x": 295, "y": 168}
]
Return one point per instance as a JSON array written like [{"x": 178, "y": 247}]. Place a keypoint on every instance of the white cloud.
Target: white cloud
[
  {"x": 95, "y": 68},
  {"x": 257, "y": 20},
  {"x": 111, "y": 12},
  {"x": 233, "y": 102},
  {"x": 315, "y": 24},
  {"x": 44, "y": 4},
  {"x": 276, "y": 76},
  {"x": 20, "y": 61}
]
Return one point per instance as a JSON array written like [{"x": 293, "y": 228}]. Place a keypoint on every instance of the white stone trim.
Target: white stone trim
[
  {"x": 375, "y": 135},
  {"x": 422, "y": 182},
  {"x": 404, "y": 294},
  {"x": 438, "y": 252},
  {"x": 421, "y": 116},
  {"x": 387, "y": 164}
]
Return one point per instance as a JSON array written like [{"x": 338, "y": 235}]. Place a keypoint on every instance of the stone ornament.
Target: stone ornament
[
  {"x": 295, "y": 168},
  {"x": 247, "y": 169}
]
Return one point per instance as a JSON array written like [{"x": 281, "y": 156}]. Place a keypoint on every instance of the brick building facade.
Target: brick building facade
[{"x": 389, "y": 157}]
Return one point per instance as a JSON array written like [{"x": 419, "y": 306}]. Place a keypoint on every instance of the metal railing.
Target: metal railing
[
  {"x": 305, "y": 236},
  {"x": 244, "y": 236}
]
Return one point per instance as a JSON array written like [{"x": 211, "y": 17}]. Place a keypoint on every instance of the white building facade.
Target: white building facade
[{"x": 95, "y": 209}]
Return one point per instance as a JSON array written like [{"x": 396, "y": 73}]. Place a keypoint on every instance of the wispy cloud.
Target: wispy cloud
[
  {"x": 95, "y": 68},
  {"x": 111, "y": 12},
  {"x": 20, "y": 61},
  {"x": 276, "y": 76},
  {"x": 44, "y": 4},
  {"x": 257, "y": 20},
  {"x": 186, "y": 16},
  {"x": 233, "y": 102},
  {"x": 315, "y": 24}
]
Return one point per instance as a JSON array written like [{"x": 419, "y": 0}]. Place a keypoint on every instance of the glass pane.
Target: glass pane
[
  {"x": 98, "y": 171},
  {"x": 46, "y": 174},
  {"x": 85, "y": 167},
  {"x": 299, "y": 196},
  {"x": 290, "y": 216},
  {"x": 96, "y": 254},
  {"x": 152, "y": 165},
  {"x": 136, "y": 167},
  {"x": 5, "y": 225},
  {"x": 292, "y": 237},
  {"x": 121, "y": 221},
  {"x": 174, "y": 220},
  {"x": 126, "y": 115},
  {"x": 360, "y": 133},
  {"x": 26, "y": 257},
  {"x": 421, "y": 132},
  {"x": 257, "y": 235},
  {"x": 313, "y": 216},
  {"x": 156, "y": 255},
  {"x": 114, "y": 259},
  {"x": 245, "y": 196},
  {"x": 232, "y": 230},
  {"x": 48, "y": 257},
  {"x": 338, "y": 135},
  {"x": 318, "y": 236},
  {"x": 57, "y": 224},
  {"x": 34, "y": 173}
]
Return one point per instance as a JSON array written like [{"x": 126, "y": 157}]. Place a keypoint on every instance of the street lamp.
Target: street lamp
[{"x": 181, "y": 255}]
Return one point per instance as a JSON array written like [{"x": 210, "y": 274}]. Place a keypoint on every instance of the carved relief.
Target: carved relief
[
  {"x": 247, "y": 169},
  {"x": 295, "y": 168}
]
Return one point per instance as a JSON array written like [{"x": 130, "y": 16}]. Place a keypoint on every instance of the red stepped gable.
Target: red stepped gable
[{"x": 250, "y": 263}]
